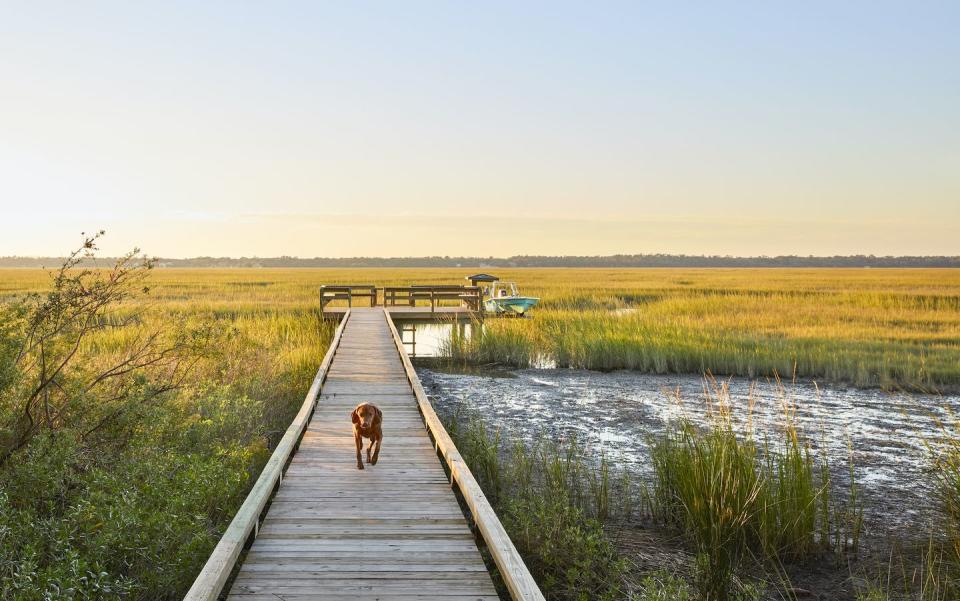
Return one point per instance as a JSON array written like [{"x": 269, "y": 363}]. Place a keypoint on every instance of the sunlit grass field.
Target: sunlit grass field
[
  {"x": 890, "y": 328},
  {"x": 143, "y": 516},
  {"x": 137, "y": 516}
]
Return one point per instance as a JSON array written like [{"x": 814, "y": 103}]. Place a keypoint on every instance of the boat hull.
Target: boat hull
[{"x": 510, "y": 304}]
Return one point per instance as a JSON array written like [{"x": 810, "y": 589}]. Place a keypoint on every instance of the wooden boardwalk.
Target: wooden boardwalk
[{"x": 391, "y": 531}]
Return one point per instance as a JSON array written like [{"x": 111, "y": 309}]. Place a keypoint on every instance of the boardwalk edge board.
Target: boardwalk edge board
[
  {"x": 215, "y": 573},
  {"x": 512, "y": 569}
]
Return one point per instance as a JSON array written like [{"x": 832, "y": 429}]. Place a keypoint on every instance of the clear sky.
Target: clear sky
[{"x": 480, "y": 128}]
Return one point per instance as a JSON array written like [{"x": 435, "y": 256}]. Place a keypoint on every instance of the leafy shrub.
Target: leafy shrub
[{"x": 120, "y": 469}]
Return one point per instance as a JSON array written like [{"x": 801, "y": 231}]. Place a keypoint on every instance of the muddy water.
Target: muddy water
[{"x": 885, "y": 434}]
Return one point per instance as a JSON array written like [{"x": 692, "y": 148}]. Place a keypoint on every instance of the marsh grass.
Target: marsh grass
[
  {"x": 140, "y": 522},
  {"x": 927, "y": 572},
  {"x": 890, "y": 328},
  {"x": 931, "y": 573},
  {"x": 553, "y": 502},
  {"x": 946, "y": 466},
  {"x": 731, "y": 499},
  {"x": 137, "y": 517},
  {"x": 735, "y": 497}
]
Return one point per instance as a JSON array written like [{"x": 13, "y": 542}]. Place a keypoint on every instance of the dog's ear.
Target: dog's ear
[
  {"x": 354, "y": 417},
  {"x": 379, "y": 416}
]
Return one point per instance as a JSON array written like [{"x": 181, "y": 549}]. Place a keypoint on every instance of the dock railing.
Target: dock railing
[
  {"x": 246, "y": 523},
  {"x": 467, "y": 296},
  {"x": 347, "y": 292},
  {"x": 512, "y": 569}
]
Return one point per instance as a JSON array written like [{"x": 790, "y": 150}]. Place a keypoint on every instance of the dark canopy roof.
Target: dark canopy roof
[{"x": 482, "y": 277}]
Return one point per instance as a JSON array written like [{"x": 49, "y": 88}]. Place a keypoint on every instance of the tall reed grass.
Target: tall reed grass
[
  {"x": 889, "y": 329},
  {"x": 932, "y": 573},
  {"x": 735, "y": 497},
  {"x": 946, "y": 468},
  {"x": 927, "y": 572}
]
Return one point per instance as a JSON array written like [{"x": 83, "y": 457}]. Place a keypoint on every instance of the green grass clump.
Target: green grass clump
[
  {"x": 553, "y": 503},
  {"x": 934, "y": 571},
  {"x": 946, "y": 467},
  {"x": 663, "y": 586},
  {"x": 926, "y": 572},
  {"x": 736, "y": 498}
]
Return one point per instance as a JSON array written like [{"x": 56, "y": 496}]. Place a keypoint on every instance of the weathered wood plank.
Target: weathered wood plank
[
  {"x": 514, "y": 572},
  {"x": 394, "y": 530}
]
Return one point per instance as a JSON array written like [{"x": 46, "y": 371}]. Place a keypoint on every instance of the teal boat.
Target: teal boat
[{"x": 504, "y": 297}]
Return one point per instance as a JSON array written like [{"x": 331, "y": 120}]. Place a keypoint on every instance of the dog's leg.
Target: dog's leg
[
  {"x": 376, "y": 453},
  {"x": 359, "y": 440},
  {"x": 368, "y": 450}
]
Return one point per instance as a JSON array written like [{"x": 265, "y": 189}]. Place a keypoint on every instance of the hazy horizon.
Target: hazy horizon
[
  {"x": 429, "y": 260},
  {"x": 491, "y": 130}
]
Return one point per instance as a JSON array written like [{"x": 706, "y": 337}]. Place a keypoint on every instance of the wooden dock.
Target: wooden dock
[
  {"x": 409, "y": 303},
  {"x": 391, "y": 531}
]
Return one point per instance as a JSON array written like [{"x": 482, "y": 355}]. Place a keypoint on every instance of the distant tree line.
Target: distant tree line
[{"x": 651, "y": 260}]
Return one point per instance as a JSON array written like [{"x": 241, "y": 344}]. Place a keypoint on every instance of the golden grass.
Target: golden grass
[{"x": 869, "y": 327}]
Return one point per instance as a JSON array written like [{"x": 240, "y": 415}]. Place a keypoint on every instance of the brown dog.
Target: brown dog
[{"x": 367, "y": 419}]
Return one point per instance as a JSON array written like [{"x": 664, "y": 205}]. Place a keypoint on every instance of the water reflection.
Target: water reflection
[{"x": 429, "y": 339}]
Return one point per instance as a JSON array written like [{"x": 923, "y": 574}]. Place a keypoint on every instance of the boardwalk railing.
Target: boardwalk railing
[
  {"x": 514, "y": 572},
  {"x": 468, "y": 296},
  {"x": 329, "y": 294},
  {"x": 246, "y": 523}
]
